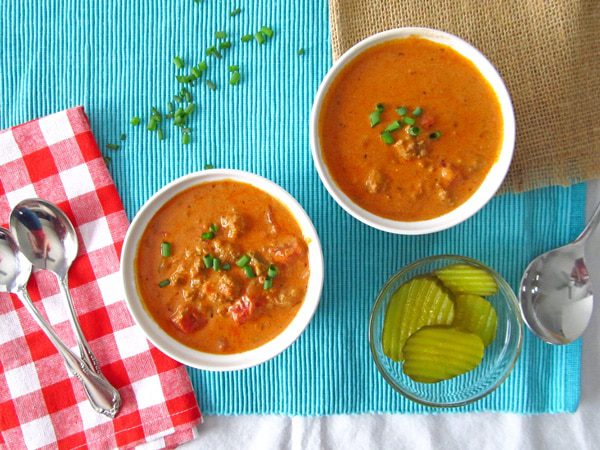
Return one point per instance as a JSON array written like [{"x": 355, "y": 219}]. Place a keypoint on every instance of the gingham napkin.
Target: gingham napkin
[{"x": 41, "y": 405}]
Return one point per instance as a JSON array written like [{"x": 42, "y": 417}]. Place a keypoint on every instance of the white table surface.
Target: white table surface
[{"x": 580, "y": 430}]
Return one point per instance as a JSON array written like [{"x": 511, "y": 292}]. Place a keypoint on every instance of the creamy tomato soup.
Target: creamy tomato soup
[
  {"x": 222, "y": 267},
  {"x": 409, "y": 129}
]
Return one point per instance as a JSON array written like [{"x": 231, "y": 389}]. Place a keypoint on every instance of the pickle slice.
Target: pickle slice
[
  {"x": 467, "y": 279},
  {"x": 419, "y": 302},
  {"x": 476, "y": 315},
  {"x": 435, "y": 354}
]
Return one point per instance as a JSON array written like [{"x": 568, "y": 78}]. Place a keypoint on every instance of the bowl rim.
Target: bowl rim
[
  {"x": 491, "y": 182},
  {"x": 511, "y": 297},
  {"x": 177, "y": 350}
]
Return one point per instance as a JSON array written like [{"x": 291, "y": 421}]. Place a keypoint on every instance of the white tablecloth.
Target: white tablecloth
[{"x": 580, "y": 430}]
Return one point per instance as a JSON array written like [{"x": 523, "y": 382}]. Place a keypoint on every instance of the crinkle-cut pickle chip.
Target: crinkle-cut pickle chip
[
  {"x": 476, "y": 315},
  {"x": 419, "y": 302},
  {"x": 435, "y": 354},
  {"x": 467, "y": 279}
]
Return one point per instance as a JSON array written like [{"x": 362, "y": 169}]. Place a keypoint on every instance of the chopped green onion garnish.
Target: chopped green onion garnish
[
  {"x": 379, "y": 107},
  {"x": 414, "y": 131},
  {"x": 196, "y": 72},
  {"x": 245, "y": 259},
  {"x": 214, "y": 228},
  {"x": 226, "y": 266},
  {"x": 268, "y": 284},
  {"x": 387, "y": 137},
  {"x": 123, "y": 137},
  {"x": 208, "y": 166},
  {"x": 301, "y": 52},
  {"x": 272, "y": 272},
  {"x": 208, "y": 236},
  {"x": 393, "y": 126},
  {"x": 402, "y": 110},
  {"x": 179, "y": 120},
  {"x": 202, "y": 66},
  {"x": 417, "y": 111},
  {"x": 213, "y": 51},
  {"x": 435, "y": 135},
  {"x": 235, "y": 12},
  {"x": 177, "y": 98},
  {"x": 171, "y": 107},
  {"x": 165, "y": 249},
  {"x": 216, "y": 264},
  {"x": 247, "y": 38},
  {"x": 190, "y": 108},
  {"x": 178, "y": 62},
  {"x": 152, "y": 124},
  {"x": 267, "y": 31},
  {"x": 159, "y": 134},
  {"x": 112, "y": 146},
  {"x": 135, "y": 121},
  {"x": 375, "y": 118},
  {"x": 235, "y": 78},
  {"x": 234, "y": 68},
  {"x": 211, "y": 85},
  {"x": 220, "y": 35},
  {"x": 164, "y": 283},
  {"x": 225, "y": 45},
  {"x": 260, "y": 37},
  {"x": 186, "y": 138},
  {"x": 249, "y": 271},
  {"x": 208, "y": 261},
  {"x": 408, "y": 120}
]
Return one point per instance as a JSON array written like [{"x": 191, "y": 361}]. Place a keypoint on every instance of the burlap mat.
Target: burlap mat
[{"x": 548, "y": 53}]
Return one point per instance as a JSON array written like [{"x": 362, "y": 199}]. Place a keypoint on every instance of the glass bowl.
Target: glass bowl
[{"x": 499, "y": 357}]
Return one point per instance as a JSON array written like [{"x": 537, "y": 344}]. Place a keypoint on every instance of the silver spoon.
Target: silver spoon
[
  {"x": 48, "y": 240},
  {"x": 15, "y": 270},
  {"x": 556, "y": 291}
]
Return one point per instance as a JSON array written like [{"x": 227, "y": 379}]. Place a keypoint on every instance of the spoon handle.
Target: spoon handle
[
  {"x": 591, "y": 225},
  {"x": 84, "y": 348},
  {"x": 104, "y": 398}
]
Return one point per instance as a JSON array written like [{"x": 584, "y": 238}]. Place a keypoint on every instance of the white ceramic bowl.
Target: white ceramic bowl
[
  {"x": 187, "y": 355},
  {"x": 490, "y": 184}
]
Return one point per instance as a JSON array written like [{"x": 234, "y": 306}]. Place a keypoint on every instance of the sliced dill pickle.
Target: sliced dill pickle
[
  {"x": 476, "y": 315},
  {"x": 419, "y": 302},
  {"x": 467, "y": 279},
  {"x": 435, "y": 354}
]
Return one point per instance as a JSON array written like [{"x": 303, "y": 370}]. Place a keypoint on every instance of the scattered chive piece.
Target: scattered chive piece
[
  {"x": 208, "y": 166},
  {"x": 247, "y": 38},
  {"x": 226, "y": 266},
  {"x": 196, "y": 72},
  {"x": 178, "y": 62},
  {"x": 414, "y": 131},
  {"x": 177, "y": 98},
  {"x": 392, "y": 126},
  {"x": 387, "y": 137},
  {"x": 214, "y": 228},
  {"x": 164, "y": 283},
  {"x": 216, "y": 264},
  {"x": 401, "y": 110},
  {"x": 190, "y": 108},
  {"x": 225, "y": 45},
  {"x": 152, "y": 124},
  {"x": 375, "y": 118},
  {"x": 186, "y": 139},
  {"x": 301, "y": 52},
  {"x": 159, "y": 134},
  {"x": 249, "y": 271},
  {"x": 208, "y": 236},
  {"x": 235, "y": 12},
  {"x": 211, "y": 85},
  {"x": 234, "y": 68},
  {"x": 268, "y": 32},
  {"x": 272, "y": 272},
  {"x": 243, "y": 261},
  {"x": 213, "y": 51},
  {"x": 220, "y": 34},
  {"x": 260, "y": 37},
  {"x": 202, "y": 66},
  {"x": 435, "y": 135},
  {"x": 179, "y": 120},
  {"x": 417, "y": 111},
  {"x": 379, "y": 107},
  {"x": 112, "y": 146},
  {"x": 165, "y": 249},
  {"x": 181, "y": 78},
  {"x": 268, "y": 284},
  {"x": 171, "y": 107},
  {"x": 408, "y": 120},
  {"x": 235, "y": 78},
  {"x": 208, "y": 261},
  {"x": 123, "y": 137},
  {"x": 135, "y": 121}
]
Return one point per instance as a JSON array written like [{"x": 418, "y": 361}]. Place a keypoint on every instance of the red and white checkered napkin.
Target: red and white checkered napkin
[{"x": 56, "y": 158}]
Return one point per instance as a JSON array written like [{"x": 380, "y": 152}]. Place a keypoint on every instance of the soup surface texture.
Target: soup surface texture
[
  {"x": 222, "y": 267},
  {"x": 409, "y": 129}
]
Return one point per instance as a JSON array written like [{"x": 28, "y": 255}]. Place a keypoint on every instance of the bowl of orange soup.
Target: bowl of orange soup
[
  {"x": 412, "y": 131},
  {"x": 222, "y": 269}
]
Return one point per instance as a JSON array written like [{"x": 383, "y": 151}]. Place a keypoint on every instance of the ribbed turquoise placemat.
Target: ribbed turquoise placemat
[{"x": 114, "y": 58}]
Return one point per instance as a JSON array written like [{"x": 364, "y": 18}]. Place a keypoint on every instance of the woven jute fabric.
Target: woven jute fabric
[{"x": 548, "y": 53}]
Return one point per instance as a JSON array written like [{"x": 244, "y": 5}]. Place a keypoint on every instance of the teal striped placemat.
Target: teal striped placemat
[{"x": 114, "y": 58}]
